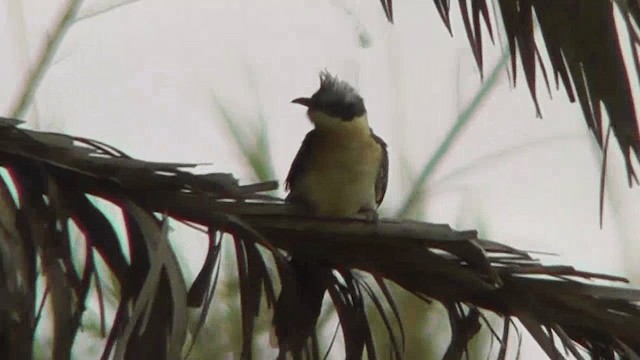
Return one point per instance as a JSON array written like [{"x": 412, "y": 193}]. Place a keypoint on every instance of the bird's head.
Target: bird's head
[{"x": 335, "y": 106}]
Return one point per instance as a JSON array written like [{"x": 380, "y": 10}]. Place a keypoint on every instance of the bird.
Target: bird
[{"x": 340, "y": 170}]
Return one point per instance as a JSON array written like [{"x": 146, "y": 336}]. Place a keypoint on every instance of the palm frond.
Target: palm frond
[
  {"x": 584, "y": 50},
  {"x": 53, "y": 174}
]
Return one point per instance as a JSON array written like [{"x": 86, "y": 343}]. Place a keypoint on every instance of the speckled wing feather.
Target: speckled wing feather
[
  {"x": 383, "y": 171},
  {"x": 299, "y": 165}
]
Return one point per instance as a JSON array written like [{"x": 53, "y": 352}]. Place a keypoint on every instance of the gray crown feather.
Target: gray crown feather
[{"x": 338, "y": 98}]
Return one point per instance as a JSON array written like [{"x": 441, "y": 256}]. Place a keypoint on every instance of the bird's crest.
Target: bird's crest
[{"x": 337, "y": 98}]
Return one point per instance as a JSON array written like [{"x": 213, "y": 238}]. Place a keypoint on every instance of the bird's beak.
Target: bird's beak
[{"x": 302, "y": 101}]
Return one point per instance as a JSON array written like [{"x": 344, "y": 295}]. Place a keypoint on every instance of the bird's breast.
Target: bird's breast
[{"x": 341, "y": 175}]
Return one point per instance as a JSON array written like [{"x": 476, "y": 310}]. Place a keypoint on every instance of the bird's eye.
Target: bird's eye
[{"x": 339, "y": 110}]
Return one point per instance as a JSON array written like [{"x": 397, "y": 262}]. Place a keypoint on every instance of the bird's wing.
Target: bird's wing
[
  {"x": 300, "y": 162},
  {"x": 383, "y": 170}
]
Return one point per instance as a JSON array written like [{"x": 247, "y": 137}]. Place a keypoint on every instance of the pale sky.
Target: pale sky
[{"x": 142, "y": 78}]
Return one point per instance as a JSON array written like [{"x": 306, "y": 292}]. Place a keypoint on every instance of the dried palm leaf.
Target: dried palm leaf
[{"x": 54, "y": 174}]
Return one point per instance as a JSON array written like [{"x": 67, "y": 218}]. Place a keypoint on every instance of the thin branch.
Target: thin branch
[
  {"x": 104, "y": 10},
  {"x": 46, "y": 54}
]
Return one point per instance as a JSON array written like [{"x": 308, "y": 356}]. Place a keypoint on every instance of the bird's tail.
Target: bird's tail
[{"x": 298, "y": 307}]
